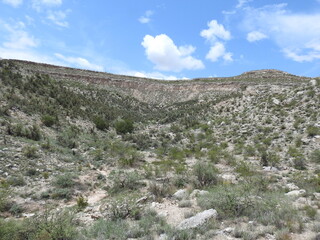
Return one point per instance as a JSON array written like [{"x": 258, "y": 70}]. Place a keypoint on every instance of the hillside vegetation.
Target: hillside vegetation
[{"x": 90, "y": 155}]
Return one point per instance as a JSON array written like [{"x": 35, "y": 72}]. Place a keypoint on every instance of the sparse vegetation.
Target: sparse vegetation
[{"x": 131, "y": 165}]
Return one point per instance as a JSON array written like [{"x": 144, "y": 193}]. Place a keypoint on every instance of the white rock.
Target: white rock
[
  {"x": 275, "y": 101},
  {"x": 270, "y": 169},
  {"x": 181, "y": 194},
  {"x": 197, "y": 192},
  {"x": 197, "y": 220},
  {"x": 296, "y": 193},
  {"x": 292, "y": 186},
  {"x": 313, "y": 82},
  {"x": 317, "y": 195},
  {"x": 163, "y": 237}
]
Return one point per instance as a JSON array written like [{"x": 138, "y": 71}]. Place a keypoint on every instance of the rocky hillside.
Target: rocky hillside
[
  {"x": 88, "y": 155},
  {"x": 160, "y": 92}
]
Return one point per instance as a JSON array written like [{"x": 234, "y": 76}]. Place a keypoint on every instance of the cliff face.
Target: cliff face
[{"x": 159, "y": 91}]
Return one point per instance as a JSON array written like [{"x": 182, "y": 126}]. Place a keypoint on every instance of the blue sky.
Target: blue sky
[{"x": 165, "y": 39}]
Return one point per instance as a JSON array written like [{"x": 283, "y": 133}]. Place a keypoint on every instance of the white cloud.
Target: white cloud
[
  {"x": 146, "y": 17},
  {"x": 214, "y": 34},
  {"x": 296, "y": 34},
  {"x": 162, "y": 51},
  {"x": 79, "y": 62},
  {"x": 255, "y": 36},
  {"x": 18, "y": 37},
  {"x": 217, "y": 51},
  {"x": 13, "y": 3},
  {"x": 58, "y": 18},
  {"x": 40, "y": 4},
  {"x": 154, "y": 75},
  {"x": 215, "y": 31},
  {"x": 241, "y": 3}
]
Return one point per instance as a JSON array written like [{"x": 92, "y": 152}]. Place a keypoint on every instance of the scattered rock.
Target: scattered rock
[
  {"x": 313, "y": 82},
  {"x": 195, "y": 193},
  {"x": 181, "y": 194},
  {"x": 292, "y": 186},
  {"x": 317, "y": 195},
  {"x": 275, "y": 101},
  {"x": 197, "y": 220},
  {"x": 296, "y": 193}
]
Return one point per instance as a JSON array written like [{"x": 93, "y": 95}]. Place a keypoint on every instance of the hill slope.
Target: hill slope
[{"x": 88, "y": 155}]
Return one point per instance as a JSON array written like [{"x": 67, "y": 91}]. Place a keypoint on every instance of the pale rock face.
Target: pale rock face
[{"x": 197, "y": 220}]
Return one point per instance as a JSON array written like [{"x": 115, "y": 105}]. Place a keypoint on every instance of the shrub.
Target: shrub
[
  {"x": 64, "y": 181},
  {"x": 124, "y": 126},
  {"x": 269, "y": 208},
  {"x": 82, "y": 203},
  {"x": 124, "y": 181},
  {"x": 100, "y": 123},
  {"x": 60, "y": 193},
  {"x": 313, "y": 131},
  {"x": 315, "y": 156},
  {"x": 244, "y": 169},
  {"x": 49, "y": 120},
  {"x": 206, "y": 174},
  {"x": 30, "y": 151},
  {"x": 68, "y": 138},
  {"x": 160, "y": 190},
  {"x": 16, "y": 181},
  {"x": 107, "y": 229}
]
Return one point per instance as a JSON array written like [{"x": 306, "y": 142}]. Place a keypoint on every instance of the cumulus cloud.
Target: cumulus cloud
[
  {"x": 255, "y": 36},
  {"x": 296, "y": 34},
  {"x": 217, "y": 51},
  {"x": 166, "y": 56},
  {"x": 58, "y": 18},
  {"x": 146, "y": 17},
  {"x": 79, "y": 62},
  {"x": 215, "y": 34},
  {"x": 13, "y": 3},
  {"x": 215, "y": 31}
]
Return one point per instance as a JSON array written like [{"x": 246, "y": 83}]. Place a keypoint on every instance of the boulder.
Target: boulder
[
  {"x": 197, "y": 220},
  {"x": 181, "y": 194},
  {"x": 296, "y": 193}
]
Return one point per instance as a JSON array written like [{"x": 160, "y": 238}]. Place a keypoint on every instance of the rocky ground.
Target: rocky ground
[{"x": 237, "y": 166}]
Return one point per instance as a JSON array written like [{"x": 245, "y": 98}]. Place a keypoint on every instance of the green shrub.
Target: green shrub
[
  {"x": 60, "y": 193},
  {"x": 16, "y": 181},
  {"x": 49, "y": 120},
  {"x": 107, "y": 229},
  {"x": 313, "y": 131},
  {"x": 49, "y": 226},
  {"x": 315, "y": 156},
  {"x": 64, "y": 181},
  {"x": 82, "y": 203},
  {"x": 205, "y": 174},
  {"x": 31, "y": 132},
  {"x": 160, "y": 190},
  {"x": 68, "y": 138},
  {"x": 30, "y": 151},
  {"x": 124, "y": 126},
  {"x": 268, "y": 208},
  {"x": 244, "y": 169},
  {"x": 100, "y": 123},
  {"x": 121, "y": 180}
]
